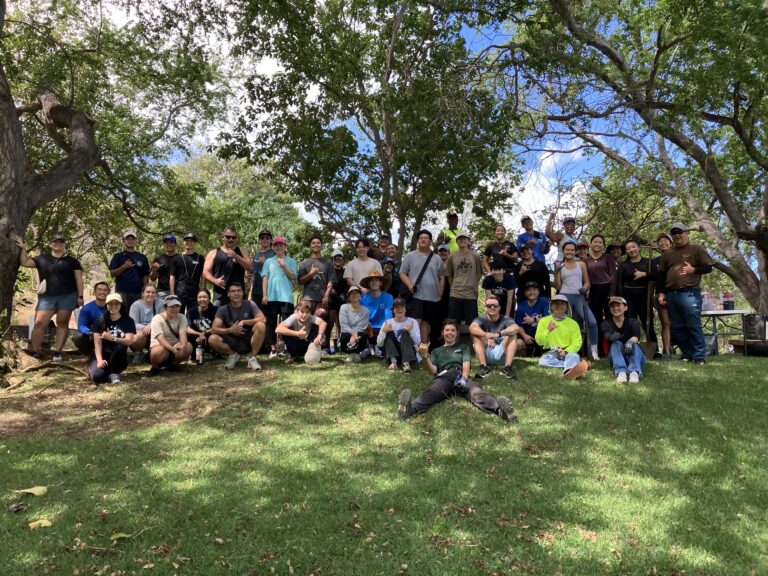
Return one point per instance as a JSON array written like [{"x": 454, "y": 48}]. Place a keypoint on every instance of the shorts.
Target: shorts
[
  {"x": 462, "y": 309},
  {"x": 61, "y": 302},
  {"x": 284, "y": 309},
  {"x": 495, "y": 355},
  {"x": 335, "y": 302},
  {"x": 423, "y": 309},
  {"x": 238, "y": 344}
]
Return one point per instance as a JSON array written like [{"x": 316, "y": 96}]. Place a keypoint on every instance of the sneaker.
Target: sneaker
[
  {"x": 392, "y": 367},
  {"x": 364, "y": 354},
  {"x": 404, "y": 407},
  {"x": 621, "y": 377},
  {"x": 634, "y": 378},
  {"x": 138, "y": 358},
  {"x": 253, "y": 364},
  {"x": 506, "y": 410},
  {"x": 231, "y": 361},
  {"x": 36, "y": 355},
  {"x": 406, "y": 367},
  {"x": 509, "y": 372},
  {"x": 482, "y": 372},
  {"x": 272, "y": 354},
  {"x": 699, "y": 362},
  {"x": 577, "y": 371},
  {"x": 352, "y": 358},
  {"x": 290, "y": 360},
  {"x": 379, "y": 353},
  {"x": 153, "y": 371},
  {"x": 57, "y": 357},
  {"x": 115, "y": 378}
]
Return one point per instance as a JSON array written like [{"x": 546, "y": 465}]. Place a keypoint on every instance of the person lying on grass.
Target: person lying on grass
[
  {"x": 561, "y": 336},
  {"x": 449, "y": 366}
]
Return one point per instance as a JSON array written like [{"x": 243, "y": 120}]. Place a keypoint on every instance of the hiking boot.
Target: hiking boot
[
  {"x": 634, "y": 378},
  {"x": 115, "y": 379},
  {"x": 506, "y": 410},
  {"x": 57, "y": 357},
  {"x": 404, "y": 407},
  {"x": 621, "y": 377},
  {"x": 364, "y": 354},
  {"x": 509, "y": 372},
  {"x": 253, "y": 364},
  {"x": 577, "y": 371},
  {"x": 232, "y": 361},
  {"x": 406, "y": 367},
  {"x": 482, "y": 372}
]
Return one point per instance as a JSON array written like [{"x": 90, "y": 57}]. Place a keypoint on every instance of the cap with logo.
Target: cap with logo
[
  {"x": 169, "y": 238},
  {"x": 190, "y": 236},
  {"x": 678, "y": 226}
]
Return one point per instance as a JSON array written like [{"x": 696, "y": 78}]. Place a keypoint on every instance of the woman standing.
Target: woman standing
[
  {"x": 602, "y": 272},
  {"x": 572, "y": 281},
  {"x": 61, "y": 283},
  {"x": 112, "y": 334},
  {"x": 632, "y": 280},
  {"x": 142, "y": 311},
  {"x": 663, "y": 243}
]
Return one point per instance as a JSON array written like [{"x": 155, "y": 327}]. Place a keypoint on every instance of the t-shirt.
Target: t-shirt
[
  {"x": 279, "y": 286},
  {"x": 201, "y": 320},
  {"x": 257, "y": 268},
  {"x": 447, "y": 357},
  {"x": 130, "y": 280},
  {"x": 499, "y": 289},
  {"x": 167, "y": 264},
  {"x": 117, "y": 328},
  {"x": 187, "y": 270},
  {"x": 379, "y": 307},
  {"x": 537, "y": 249},
  {"x": 673, "y": 260},
  {"x": 58, "y": 273},
  {"x": 466, "y": 269},
  {"x": 88, "y": 316},
  {"x": 160, "y": 326},
  {"x": 353, "y": 320},
  {"x": 314, "y": 290},
  {"x": 536, "y": 311},
  {"x": 567, "y": 335},
  {"x": 293, "y": 323},
  {"x": 142, "y": 314},
  {"x": 358, "y": 269},
  {"x": 534, "y": 272},
  {"x": 487, "y": 325},
  {"x": 398, "y": 328},
  {"x": 229, "y": 315},
  {"x": 493, "y": 253},
  {"x": 429, "y": 286},
  {"x": 602, "y": 270},
  {"x": 630, "y": 328}
]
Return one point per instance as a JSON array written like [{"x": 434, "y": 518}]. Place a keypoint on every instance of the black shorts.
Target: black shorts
[
  {"x": 284, "y": 309},
  {"x": 424, "y": 310},
  {"x": 335, "y": 302},
  {"x": 462, "y": 309},
  {"x": 238, "y": 344}
]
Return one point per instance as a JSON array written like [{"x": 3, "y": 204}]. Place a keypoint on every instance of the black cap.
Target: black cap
[
  {"x": 531, "y": 284},
  {"x": 190, "y": 236},
  {"x": 58, "y": 236},
  {"x": 399, "y": 302}
]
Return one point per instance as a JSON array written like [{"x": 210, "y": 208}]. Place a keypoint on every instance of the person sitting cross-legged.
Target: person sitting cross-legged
[
  {"x": 239, "y": 328},
  {"x": 449, "y": 366},
  {"x": 113, "y": 332},
  {"x": 379, "y": 304},
  {"x": 494, "y": 339},
  {"x": 354, "y": 320},
  {"x": 561, "y": 336},
  {"x": 529, "y": 312},
  {"x": 169, "y": 346},
  {"x": 398, "y": 337},
  {"x": 623, "y": 333},
  {"x": 301, "y": 330}
]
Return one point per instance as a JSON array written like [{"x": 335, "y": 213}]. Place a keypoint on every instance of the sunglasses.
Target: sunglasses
[
  {"x": 677, "y": 232},
  {"x": 338, "y": 257},
  {"x": 265, "y": 237},
  {"x": 230, "y": 237},
  {"x": 491, "y": 305}
]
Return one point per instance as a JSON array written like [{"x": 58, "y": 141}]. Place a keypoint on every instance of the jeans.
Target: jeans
[
  {"x": 685, "y": 316},
  {"x": 578, "y": 309},
  {"x": 551, "y": 360},
  {"x": 621, "y": 363}
]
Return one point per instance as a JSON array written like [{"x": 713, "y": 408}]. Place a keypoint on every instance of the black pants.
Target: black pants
[
  {"x": 296, "y": 346},
  {"x": 344, "y": 346},
  {"x": 116, "y": 363},
  {"x": 402, "y": 351},
  {"x": 83, "y": 343},
  {"x": 637, "y": 302},
  {"x": 598, "y": 303},
  {"x": 443, "y": 388}
]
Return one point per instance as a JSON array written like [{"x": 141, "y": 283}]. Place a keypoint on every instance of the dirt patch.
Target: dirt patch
[{"x": 61, "y": 402}]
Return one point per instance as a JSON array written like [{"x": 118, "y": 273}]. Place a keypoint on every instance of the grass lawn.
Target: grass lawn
[{"x": 299, "y": 470}]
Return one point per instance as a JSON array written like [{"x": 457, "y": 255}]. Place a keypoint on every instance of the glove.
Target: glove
[
  {"x": 628, "y": 348},
  {"x": 613, "y": 337},
  {"x": 461, "y": 385}
]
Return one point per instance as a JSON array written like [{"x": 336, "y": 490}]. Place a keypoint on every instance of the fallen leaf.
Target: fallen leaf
[
  {"x": 219, "y": 541},
  {"x": 43, "y": 523},
  {"x": 119, "y": 536},
  {"x": 35, "y": 490},
  {"x": 17, "y": 507}
]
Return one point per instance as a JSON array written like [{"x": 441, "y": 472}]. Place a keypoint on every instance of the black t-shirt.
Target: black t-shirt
[
  {"x": 537, "y": 272},
  {"x": 58, "y": 273},
  {"x": 339, "y": 282},
  {"x": 626, "y": 275},
  {"x": 499, "y": 289},
  {"x": 201, "y": 320},
  {"x": 187, "y": 270},
  {"x": 167, "y": 264},
  {"x": 118, "y": 328},
  {"x": 492, "y": 252}
]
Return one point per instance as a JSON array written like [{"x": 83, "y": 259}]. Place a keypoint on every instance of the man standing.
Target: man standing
[
  {"x": 361, "y": 266},
  {"x": 494, "y": 339},
  {"x": 186, "y": 273},
  {"x": 238, "y": 328},
  {"x": 464, "y": 272},
  {"x": 83, "y": 338},
  {"x": 623, "y": 335},
  {"x": 534, "y": 239},
  {"x": 130, "y": 269},
  {"x": 162, "y": 266},
  {"x": 501, "y": 251},
  {"x": 559, "y": 239},
  {"x": 422, "y": 273},
  {"x": 450, "y": 235},
  {"x": 679, "y": 278},
  {"x": 265, "y": 253},
  {"x": 315, "y": 278},
  {"x": 338, "y": 290},
  {"x": 225, "y": 265},
  {"x": 277, "y": 278}
]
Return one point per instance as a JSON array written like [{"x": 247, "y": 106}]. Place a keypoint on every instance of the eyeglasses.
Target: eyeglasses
[
  {"x": 677, "y": 232},
  {"x": 230, "y": 237},
  {"x": 491, "y": 305},
  {"x": 265, "y": 237}
]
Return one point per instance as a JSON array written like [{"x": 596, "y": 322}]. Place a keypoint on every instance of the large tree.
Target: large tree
[
  {"x": 673, "y": 94},
  {"x": 372, "y": 115},
  {"x": 90, "y": 109}
]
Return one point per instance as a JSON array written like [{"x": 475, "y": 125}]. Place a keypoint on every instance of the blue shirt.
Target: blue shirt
[
  {"x": 88, "y": 315},
  {"x": 538, "y": 248},
  {"x": 279, "y": 286},
  {"x": 380, "y": 308},
  {"x": 538, "y": 310},
  {"x": 130, "y": 280}
]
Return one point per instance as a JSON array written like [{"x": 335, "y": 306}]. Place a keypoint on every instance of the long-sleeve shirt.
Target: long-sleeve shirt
[
  {"x": 88, "y": 315},
  {"x": 567, "y": 335},
  {"x": 398, "y": 328},
  {"x": 353, "y": 320}
]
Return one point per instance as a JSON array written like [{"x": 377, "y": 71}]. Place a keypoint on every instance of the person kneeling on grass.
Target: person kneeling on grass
[
  {"x": 300, "y": 331},
  {"x": 449, "y": 366},
  {"x": 494, "y": 339},
  {"x": 562, "y": 337},
  {"x": 398, "y": 337},
  {"x": 625, "y": 354},
  {"x": 239, "y": 327},
  {"x": 169, "y": 346},
  {"x": 113, "y": 332}
]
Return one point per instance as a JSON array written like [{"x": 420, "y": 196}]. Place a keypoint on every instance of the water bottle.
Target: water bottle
[{"x": 199, "y": 354}]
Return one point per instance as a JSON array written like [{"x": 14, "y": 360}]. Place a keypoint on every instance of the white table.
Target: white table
[{"x": 710, "y": 319}]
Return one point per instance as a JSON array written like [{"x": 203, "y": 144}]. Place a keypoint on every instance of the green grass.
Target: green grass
[{"x": 307, "y": 471}]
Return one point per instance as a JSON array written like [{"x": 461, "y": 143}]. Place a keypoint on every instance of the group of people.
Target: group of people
[{"x": 380, "y": 305}]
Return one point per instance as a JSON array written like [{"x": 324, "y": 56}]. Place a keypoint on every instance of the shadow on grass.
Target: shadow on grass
[{"x": 307, "y": 471}]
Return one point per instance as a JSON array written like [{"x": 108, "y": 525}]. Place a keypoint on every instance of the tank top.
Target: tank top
[
  {"x": 570, "y": 280},
  {"x": 228, "y": 267}
]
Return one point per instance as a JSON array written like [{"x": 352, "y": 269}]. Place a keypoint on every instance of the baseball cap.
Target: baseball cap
[
  {"x": 169, "y": 238},
  {"x": 663, "y": 235},
  {"x": 531, "y": 284},
  {"x": 279, "y": 240},
  {"x": 678, "y": 226},
  {"x": 399, "y": 302},
  {"x": 337, "y": 252},
  {"x": 614, "y": 299},
  {"x": 171, "y": 301},
  {"x": 387, "y": 260},
  {"x": 524, "y": 218},
  {"x": 462, "y": 235},
  {"x": 129, "y": 233},
  {"x": 114, "y": 297},
  {"x": 353, "y": 289},
  {"x": 559, "y": 298},
  {"x": 265, "y": 232},
  {"x": 569, "y": 219},
  {"x": 190, "y": 236},
  {"x": 57, "y": 236},
  {"x": 443, "y": 247}
]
